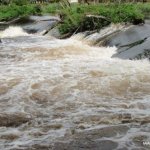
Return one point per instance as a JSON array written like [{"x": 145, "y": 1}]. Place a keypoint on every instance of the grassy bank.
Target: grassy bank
[
  {"x": 74, "y": 17},
  {"x": 8, "y": 12}
]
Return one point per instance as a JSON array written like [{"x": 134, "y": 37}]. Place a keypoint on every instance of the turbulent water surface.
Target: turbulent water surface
[{"x": 65, "y": 94}]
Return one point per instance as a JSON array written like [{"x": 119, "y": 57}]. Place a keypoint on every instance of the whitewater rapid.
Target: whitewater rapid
[{"x": 57, "y": 94}]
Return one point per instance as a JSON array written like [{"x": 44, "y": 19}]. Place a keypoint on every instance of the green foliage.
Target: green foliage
[
  {"x": 13, "y": 11},
  {"x": 51, "y": 8},
  {"x": 20, "y": 2},
  {"x": 4, "y": 2},
  {"x": 73, "y": 16},
  {"x": 75, "y": 20},
  {"x": 145, "y": 8}
]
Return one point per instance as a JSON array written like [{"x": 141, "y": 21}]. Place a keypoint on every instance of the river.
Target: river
[{"x": 67, "y": 95}]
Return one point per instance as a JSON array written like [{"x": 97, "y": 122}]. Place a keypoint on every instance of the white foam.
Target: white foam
[{"x": 13, "y": 31}]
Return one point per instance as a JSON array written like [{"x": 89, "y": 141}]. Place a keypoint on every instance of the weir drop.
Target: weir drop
[{"x": 68, "y": 94}]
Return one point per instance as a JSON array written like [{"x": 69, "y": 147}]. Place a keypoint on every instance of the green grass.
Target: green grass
[
  {"x": 75, "y": 16},
  {"x": 145, "y": 8},
  {"x": 13, "y": 11},
  {"x": 53, "y": 8}
]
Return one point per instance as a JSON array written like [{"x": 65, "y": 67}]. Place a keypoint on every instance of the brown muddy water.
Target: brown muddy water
[{"x": 67, "y": 95}]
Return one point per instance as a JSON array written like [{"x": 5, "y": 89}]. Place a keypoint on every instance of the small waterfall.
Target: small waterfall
[
  {"x": 98, "y": 38},
  {"x": 13, "y": 31}
]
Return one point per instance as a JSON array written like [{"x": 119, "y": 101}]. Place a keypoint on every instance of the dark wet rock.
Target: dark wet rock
[
  {"x": 86, "y": 144},
  {"x": 13, "y": 120},
  {"x": 36, "y": 147},
  {"x": 139, "y": 148},
  {"x": 138, "y": 21},
  {"x": 34, "y": 24},
  {"x": 125, "y": 118},
  {"x": 132, "y": 43},
  {"x": 90, "y": 139},
  {"x": 144, "y": 55},
  {"x": 52, "y": 127},
  {"x": 10, "y": 22},
  {"x": 131, "y": 35},
  {"x": 86, "y": 140},
  {"x": 109, "y": 131},
  {"x": 53, "y": 32},
  {"x": 40, "y": 24},
  {"x": 139, "y": 139},
  {"x": 124, "y": 148},
  {"x": 9, "y": 137},
  {"x": 79, "y": 144},
  {"x": 6, "y": 24}
]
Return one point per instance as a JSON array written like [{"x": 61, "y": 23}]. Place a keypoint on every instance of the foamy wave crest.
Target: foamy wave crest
[
  {"x": 90, "y": 51},
  {"x": 13, "y": 32}
]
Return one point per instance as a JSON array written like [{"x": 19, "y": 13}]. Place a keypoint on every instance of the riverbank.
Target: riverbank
[{"x": 78, "y": 18}]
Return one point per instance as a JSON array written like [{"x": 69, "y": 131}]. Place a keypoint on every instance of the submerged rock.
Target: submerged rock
[
  {"x": 86, "y": 144},
  {"x": 13, "y": 120},
  {"x": 92, "y": 139}
]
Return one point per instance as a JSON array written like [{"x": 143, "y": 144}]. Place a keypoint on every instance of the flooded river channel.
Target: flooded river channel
[{"x": 67, "y": 95}]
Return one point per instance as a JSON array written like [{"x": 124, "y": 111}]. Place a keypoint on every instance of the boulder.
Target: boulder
[
  {"x": 33, "y": 24},
  {"x": 132, "y": 43},
  {"x": 40, "y": 24},
  {"x": 54, "y": 32}
]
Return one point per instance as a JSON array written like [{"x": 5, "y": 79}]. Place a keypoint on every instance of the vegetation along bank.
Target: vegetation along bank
[{"x": 79, "y": 17}]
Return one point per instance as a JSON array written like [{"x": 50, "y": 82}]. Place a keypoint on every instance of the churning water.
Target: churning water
[{"x": 57, "y": 94}]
